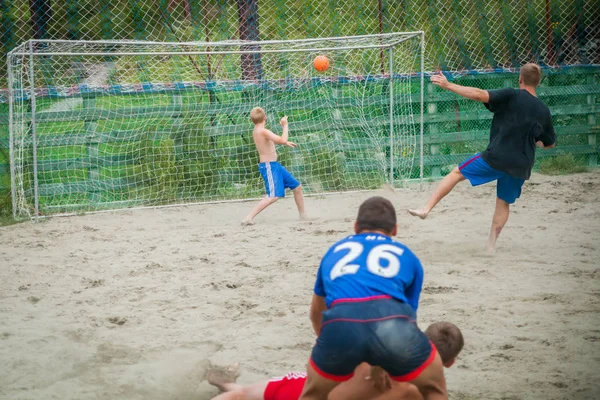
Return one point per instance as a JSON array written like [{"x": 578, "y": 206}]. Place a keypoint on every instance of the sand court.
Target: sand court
[{"x": 138, "y": 304}]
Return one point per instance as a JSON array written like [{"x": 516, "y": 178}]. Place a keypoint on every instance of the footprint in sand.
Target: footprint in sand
[
  {"x": 438, "y": 289},
  {"x": 117, "y": 320}
]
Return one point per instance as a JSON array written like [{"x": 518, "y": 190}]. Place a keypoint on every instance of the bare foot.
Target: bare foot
[
  {"x": 247, "y": 222},
  {"x": 304, "y": 217},
  {"x": 491, "y": 250},
  {"x": 223, "y": 377},
  {"x": 418, "y": 213}
]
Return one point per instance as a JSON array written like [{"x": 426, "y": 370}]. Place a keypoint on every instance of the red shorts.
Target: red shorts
[{"x": 288, "y": 387}]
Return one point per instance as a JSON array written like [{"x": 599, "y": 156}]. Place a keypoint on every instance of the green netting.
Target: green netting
[
  {"x": 128, "y": 134},
  {"x": 464, "y": 36}
]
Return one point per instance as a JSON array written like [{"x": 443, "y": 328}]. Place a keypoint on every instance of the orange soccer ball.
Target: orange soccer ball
[{"x": 321, "y": 63}]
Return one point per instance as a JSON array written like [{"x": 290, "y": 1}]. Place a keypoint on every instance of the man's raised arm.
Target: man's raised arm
[{"x": 472, "y": 93}]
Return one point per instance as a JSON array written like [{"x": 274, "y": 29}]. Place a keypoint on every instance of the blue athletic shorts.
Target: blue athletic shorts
[
  {"x": 380, "y": 331},
  {"x": 277, "y": 179},
  {"x": 478, "y": 172}
]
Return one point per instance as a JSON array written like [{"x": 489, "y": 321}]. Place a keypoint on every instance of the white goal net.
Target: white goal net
[{"x": 97, "y": 125}]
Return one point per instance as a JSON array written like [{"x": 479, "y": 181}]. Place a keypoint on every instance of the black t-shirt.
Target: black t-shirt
[{"x": 520, "y": 120}]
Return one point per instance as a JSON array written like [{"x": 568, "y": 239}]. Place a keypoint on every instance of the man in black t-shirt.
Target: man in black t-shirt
[{"x": 521, "y": 122}]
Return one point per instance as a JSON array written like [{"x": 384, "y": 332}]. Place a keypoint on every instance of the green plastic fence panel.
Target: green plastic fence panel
[{"x": 572, "y": 103}]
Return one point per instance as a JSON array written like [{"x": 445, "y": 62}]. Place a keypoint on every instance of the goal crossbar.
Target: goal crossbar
[
  {"x": 244, "y": 47},
  {"x": 225, "y": 42}
]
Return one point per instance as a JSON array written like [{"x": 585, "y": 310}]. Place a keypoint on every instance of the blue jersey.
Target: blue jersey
[{"x": 369, "y": 264}]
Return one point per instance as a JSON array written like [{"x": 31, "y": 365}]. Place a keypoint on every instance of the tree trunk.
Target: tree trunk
[
  {"x": 187, "y": 8},
  {"x": 248, "y": 28},
  {"x": 173, "y": 4},
  {"x": 381, "y": 51},
  {"x": 40, "y": 15},
  {"x": 7, "y": 21},
  {"x": 550, "y": 56}
]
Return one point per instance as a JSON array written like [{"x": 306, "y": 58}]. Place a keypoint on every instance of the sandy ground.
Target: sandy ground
[{"x": 136, "y": 304}]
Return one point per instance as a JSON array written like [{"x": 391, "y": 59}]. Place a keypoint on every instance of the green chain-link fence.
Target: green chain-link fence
[{"x": 481, "y": 42}]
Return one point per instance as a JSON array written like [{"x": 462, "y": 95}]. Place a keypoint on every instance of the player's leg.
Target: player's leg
[
  {"x": 431, "y": 383},
  {"x": 290, "y": 182},
  {"x": 273, "y": 188},
  {"x": 475, "y": 169},
  {"x": 400, "y": 391},
  {"x": 233, "y": 395},
  {"x": 338, "y": 351},
  {"x": 299, "y": 199},
  {"x": 405, "y": 352},
  {"x": 508, "y": 191},
  {"x": 332, "y": 361},
  {"x": 225, "y": 379},
  {"x": 262, "y": 204},
  {"x": 359, "y": 387},
  {"x": 444, "y": 187},
  {"x": 498, "y": 221},
  {"x": 317, "y": 387},
  {"x": 255, "y": 391}
]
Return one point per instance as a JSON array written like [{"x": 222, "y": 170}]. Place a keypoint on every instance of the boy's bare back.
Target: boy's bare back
[
  {"x": 265, "y": 140},
  {"x": 264, "y": 145}
]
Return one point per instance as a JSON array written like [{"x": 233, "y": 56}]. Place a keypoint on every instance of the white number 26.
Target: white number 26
[{"x": 383, "y": 251}]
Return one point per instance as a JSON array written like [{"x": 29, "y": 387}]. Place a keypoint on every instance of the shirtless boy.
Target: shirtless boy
[
  {"x": 446, "y": 337},
  {"x": 276, "y": 177}
]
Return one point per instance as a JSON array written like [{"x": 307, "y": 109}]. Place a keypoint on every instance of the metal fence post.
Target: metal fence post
[
  {"x": 592, "y": 136},
  {"x": 391, "y": 117},
  {"x": 34, "y": 134},
  {"x": 434, "y": 148},
  {"x": 90, "y": 128},
  {"x": 422, "y": 122},
  {"x": 11, "y": 135}
]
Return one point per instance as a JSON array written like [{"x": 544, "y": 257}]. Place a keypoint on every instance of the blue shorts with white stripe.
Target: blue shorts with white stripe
[{"x": 277, "y": 179}]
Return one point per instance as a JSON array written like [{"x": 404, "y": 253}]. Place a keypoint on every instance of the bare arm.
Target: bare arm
[
  {"x": 273, "y": 137},
  {"x": 317, "y": 306},
  {"x": 540, "y": 144},
  {"x": 283, "y": 139},
  {"x": 284, "y": 124},
  {"x": 472, "y": 93}
]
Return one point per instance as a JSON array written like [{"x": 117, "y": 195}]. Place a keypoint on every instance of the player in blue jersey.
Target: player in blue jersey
[{"x": 364, "y": 309}]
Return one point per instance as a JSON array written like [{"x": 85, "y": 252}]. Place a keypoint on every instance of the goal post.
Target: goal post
[{"x": 102, "y": 125}]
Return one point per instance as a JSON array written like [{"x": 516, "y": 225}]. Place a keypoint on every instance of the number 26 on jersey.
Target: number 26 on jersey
[{"x": 378, "y": 253}]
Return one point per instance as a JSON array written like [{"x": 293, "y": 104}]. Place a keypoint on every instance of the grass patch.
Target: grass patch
[
  {"x": 561, "y": 165},
  {"x": 6, "y": 220}
]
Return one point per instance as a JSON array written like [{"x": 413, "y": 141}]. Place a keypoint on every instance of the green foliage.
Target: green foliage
[
  {"x": 5, "y": 195},
  {"x": 562, "y": 165},
  {"x": 200, "y": 176},
  {"x": 238, "y": 169},
  {"x": 327, "y": 169},
  {"x": 156, "y": 172}
]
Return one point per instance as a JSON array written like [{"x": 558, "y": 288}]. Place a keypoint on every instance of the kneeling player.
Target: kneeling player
[
  {"x": 446, "y": 337},
  {"x": 364, "y": 309}
]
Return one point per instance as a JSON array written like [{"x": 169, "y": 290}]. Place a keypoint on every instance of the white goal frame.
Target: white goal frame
[{"x": 37, "y": 48}]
